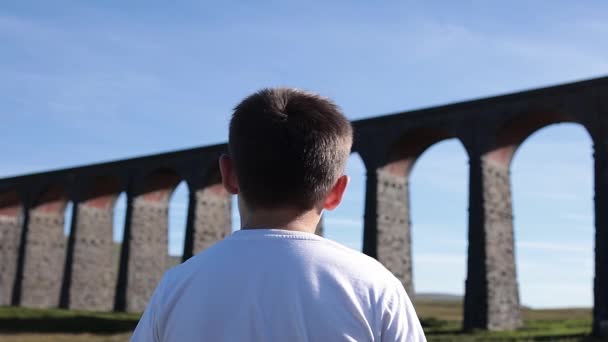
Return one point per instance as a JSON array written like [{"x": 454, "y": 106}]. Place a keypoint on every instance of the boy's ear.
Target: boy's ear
[
  {"x": 336, "y": 194},
  {"x": 228, "y": 174}
]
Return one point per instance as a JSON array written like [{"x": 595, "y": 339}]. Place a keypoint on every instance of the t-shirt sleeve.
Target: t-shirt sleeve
[
  {"x": 399, "y": 319},
  {"x": 147, "y": 329}
]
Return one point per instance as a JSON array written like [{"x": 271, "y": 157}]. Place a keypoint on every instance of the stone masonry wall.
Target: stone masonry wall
[
  {"x": 94, "y": 271},
  {"x": 44, "y": 260},
  {"x": 10, "y": 231},
  {"x": 147, "y": 251},
  {"x": 393, "y": 227},
  {"x": 213, "y": 217},
  {"x": 503, "y": 294}
]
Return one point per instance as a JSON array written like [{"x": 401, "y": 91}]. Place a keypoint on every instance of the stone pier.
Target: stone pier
[
  {"x": 44, "y": 253},
  {"x": 492, "y": 297},
  {"x": 387, "y": 225},
  {"x": 148, "y": 250},
  {"x": 10, "y": 237},
  {"x": 212, "y": 216},
  {"x": 94, "y": 270}
]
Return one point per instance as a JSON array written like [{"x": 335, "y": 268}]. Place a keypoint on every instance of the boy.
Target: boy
[{"x": 275, "y": 280}]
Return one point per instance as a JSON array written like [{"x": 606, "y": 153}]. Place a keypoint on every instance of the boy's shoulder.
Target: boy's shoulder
[
  {"x": 322, "y": 253},
  {"x": 363, "y": 266}
]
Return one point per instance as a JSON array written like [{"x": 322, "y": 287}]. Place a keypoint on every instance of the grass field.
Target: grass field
[{"x": 440, "y": 319}]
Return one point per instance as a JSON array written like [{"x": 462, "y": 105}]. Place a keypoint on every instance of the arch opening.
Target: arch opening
[
  {"x": 438, "y": 186},
  {"x": 235, "y": 216},
  {"x": 552, "y": 185},
  {"x": 345, "y": 223},
  {"x": 178, "y": 211},
  {"x": 68, "y": 215},
  {"x": 119, "y": 218}
]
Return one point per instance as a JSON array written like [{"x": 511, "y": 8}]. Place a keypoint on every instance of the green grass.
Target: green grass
[
  {"x": 441, "y": 321},
  {"x": 14, "y": 319}
]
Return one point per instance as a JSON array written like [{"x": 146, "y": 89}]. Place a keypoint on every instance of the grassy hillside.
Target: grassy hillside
[{"x": 441, "y": 321}]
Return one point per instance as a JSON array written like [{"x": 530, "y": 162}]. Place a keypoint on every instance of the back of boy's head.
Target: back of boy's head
[{"x": 288, "y": 148}]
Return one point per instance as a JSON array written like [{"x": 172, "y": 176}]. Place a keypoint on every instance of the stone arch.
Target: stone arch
[
  {"x": 492, "y": 297},
  {"x": 45, "y": 249},
  {"x": 408, "y": 147},
  {"x": 91, "y": 272},
  {"x": 517, "y": 129},
  {"x": 209, "y": 211},
  {"x": 390, "y": 214},
  {"x": 144, "y": 253},
  {"x": 11, "y": 220},
  {"x": 159, "y": 184}
]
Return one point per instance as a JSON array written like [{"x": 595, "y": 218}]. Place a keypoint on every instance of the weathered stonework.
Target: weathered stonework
[
  {"x": 147, "y": 251},
  {"x": 503, "y": 293},
  {"x": 212, "y": 217},
  {"x": 492, "y": 296},
  {"x": 44, "y": 259},
  {"x": 10, "y": 236},
  {"x": 490, "y": 130},
  {"x": 393, "y": 244},
  {"x": 94, "y": 270}
]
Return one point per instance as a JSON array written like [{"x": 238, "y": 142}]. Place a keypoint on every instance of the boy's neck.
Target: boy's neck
[{"x": 286, "y": 219}]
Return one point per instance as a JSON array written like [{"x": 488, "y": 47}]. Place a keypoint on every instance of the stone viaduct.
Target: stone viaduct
[{"x": 38, "y": 268}]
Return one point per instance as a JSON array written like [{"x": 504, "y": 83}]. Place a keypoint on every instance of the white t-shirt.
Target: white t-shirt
[{"x": 279, "y": 285}]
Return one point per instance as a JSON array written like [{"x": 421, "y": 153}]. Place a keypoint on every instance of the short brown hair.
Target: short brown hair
[{"x": 289, "y": 147}]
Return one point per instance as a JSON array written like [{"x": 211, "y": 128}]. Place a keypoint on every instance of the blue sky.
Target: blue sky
[{"x": 85, "y": 81}]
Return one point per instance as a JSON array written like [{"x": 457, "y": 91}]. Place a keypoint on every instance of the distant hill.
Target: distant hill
[{"x": 437, "y": 297}]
